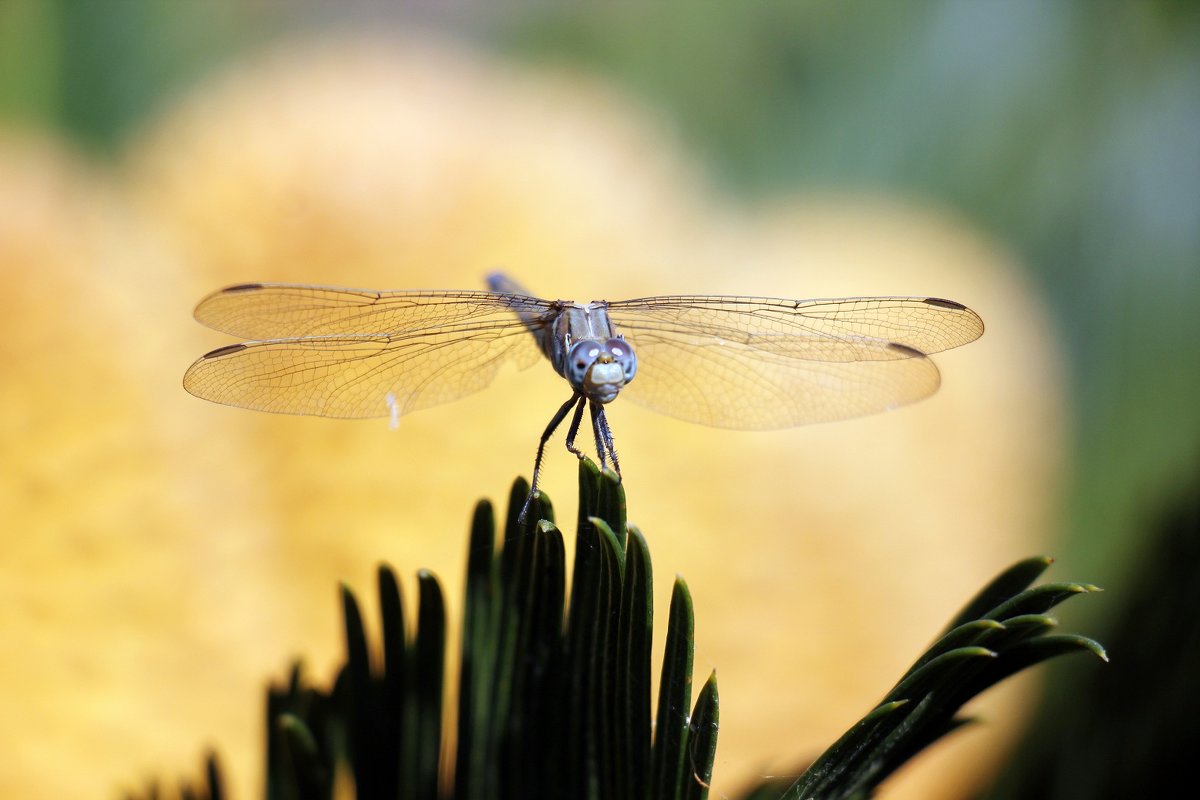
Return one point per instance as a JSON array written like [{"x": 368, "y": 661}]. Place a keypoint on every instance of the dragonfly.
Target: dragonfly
[{"x": 747, "y": 363}]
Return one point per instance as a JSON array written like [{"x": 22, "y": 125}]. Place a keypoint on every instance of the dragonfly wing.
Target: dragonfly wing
[
  {"x": 745, "y": 388},
  {"x": 764, "y": 363},
  {"x": 278, "y": 310},
  {"x": 811, "y": 329},
  {"x": 359, "y": 376}
]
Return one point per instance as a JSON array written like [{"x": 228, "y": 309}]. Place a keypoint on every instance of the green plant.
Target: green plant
[
  {"x": 554, "y": 705},
  {"x": 1001, "y": 631},
  {"x": 1128, "y": 730}
]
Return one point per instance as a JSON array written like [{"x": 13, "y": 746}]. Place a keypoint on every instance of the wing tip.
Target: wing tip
[
  {"x": 237, "y": 288},
  {"x": 228, "y": 349},
  {"x": 905, "y": 350},
  {"x": 941, "y": 302},
  {"x": 241, "y": 287},
  {"x": 954, "y": 305}
]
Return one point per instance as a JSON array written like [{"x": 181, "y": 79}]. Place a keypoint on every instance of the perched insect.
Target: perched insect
[{"x": 750, "y": 363}]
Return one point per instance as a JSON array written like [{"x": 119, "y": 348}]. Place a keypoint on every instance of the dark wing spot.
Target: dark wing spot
[
  {"x": 940, "y": 303},
  {"x": 224, "y": 351},
  {"x": 908, "y": 352},
  {"x": 242, "y": 287}
]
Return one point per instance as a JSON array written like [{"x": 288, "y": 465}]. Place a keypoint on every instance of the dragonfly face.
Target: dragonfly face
[{"x": 599, "y": 370}]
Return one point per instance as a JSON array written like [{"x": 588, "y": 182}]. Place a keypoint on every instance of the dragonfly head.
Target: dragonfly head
[{"x": 600, "y": 369}]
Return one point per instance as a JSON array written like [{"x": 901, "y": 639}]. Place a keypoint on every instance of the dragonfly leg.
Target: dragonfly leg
[
  {"x": 574, "y": 429},
  {"x": 602, "y": 446},
  {"x": 604, "y": 437},
  {"x": 555, "y": 421}
]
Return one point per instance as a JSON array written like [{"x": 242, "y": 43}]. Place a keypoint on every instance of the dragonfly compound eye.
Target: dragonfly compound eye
[
  {"x": 622, "y": 353},
  {"x": 580, "y": 359}
]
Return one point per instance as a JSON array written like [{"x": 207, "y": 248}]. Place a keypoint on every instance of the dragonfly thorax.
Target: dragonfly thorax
[{"x": 600, "y": 369}]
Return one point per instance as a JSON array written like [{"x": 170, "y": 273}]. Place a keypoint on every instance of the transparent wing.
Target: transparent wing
[
  {"x": 353, "y": 353},
  {"x": 764, "y": 363},
  {"x": 283, "y": 310},
  {"x": 814, "y": 329}
]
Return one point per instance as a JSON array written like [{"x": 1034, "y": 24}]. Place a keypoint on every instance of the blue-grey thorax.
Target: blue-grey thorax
[
  {"x": 584, "y": 348},
  {"x": 580, "y": 342}
]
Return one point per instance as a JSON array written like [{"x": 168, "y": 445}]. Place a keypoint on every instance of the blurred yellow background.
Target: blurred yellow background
[{"x": 164, "y": 557}]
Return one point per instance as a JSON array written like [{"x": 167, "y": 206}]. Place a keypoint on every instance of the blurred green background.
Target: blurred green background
[{"x": 1068, "y": 130}]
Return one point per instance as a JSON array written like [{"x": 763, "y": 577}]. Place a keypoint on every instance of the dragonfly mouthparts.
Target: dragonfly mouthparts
[{"x": 604, "y": 380}]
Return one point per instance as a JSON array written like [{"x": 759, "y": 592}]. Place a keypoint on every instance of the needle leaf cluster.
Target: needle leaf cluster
[{"x": 553, "y": 698}]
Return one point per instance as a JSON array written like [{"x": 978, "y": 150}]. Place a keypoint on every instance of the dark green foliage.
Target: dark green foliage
[
  {"x": 1129, "y": 730},
  {"x": 550, "y": 705},
  {"x": 210, "y": 788},
  {"x": 564, "y": 711},
  {"x": 1001, "y": 631},
  {"x": 303, "y": 736},
  {"x": 554, "y": 696},
  {"x": 393, "y": 714}
]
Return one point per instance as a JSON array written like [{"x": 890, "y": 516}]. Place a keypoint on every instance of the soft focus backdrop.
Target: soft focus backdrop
[{"x": 164, "y": 557}]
